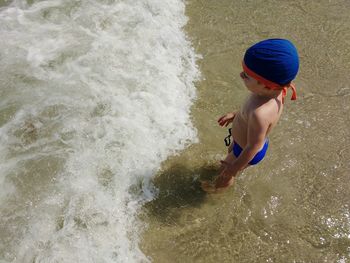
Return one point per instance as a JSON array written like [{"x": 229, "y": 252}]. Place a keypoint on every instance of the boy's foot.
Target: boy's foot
[{"x": 210, "y": 187}]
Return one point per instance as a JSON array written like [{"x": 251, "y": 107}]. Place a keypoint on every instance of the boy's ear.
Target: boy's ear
[{"x": 261, "y": 84}]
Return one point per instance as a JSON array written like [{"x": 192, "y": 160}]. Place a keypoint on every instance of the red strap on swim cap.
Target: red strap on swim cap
[
  {"x": 284, "y": 92},
  {"x": 271, "y": 85}
]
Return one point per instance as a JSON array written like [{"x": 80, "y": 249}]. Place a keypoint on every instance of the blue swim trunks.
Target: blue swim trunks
[{"x": 257, "y": 158}]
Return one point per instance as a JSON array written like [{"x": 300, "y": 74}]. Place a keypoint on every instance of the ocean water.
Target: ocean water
[
  {"x": 94, "y": 96},
  {"x": 294, "y": 205}
]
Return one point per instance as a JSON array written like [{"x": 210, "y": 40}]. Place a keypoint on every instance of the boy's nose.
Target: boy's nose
[{"x": 243, "y": 75}]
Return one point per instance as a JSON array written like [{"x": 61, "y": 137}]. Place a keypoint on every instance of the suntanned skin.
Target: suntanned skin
[{"x": 250, "y": 128}]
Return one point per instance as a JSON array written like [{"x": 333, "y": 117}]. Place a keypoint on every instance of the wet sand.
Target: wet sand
[{"x": 294, "y": 206}]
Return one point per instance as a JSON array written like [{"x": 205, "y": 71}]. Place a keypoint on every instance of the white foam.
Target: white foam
[{"x": 100, "y": 94}]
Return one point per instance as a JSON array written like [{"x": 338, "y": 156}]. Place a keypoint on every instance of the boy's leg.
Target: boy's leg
[{"x": 220, "y": 181}]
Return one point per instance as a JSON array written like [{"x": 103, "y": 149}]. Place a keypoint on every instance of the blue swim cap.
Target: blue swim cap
[{"x": 275, "y": 60}]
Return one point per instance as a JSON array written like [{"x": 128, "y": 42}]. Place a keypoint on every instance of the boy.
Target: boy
[{"x": 268, "y": 69}]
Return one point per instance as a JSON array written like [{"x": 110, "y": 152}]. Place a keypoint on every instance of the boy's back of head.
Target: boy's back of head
[{"x": 273, "y": 62}]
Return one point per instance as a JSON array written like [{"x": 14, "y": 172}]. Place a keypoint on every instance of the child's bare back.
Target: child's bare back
[{"x": 266, "y": 110}]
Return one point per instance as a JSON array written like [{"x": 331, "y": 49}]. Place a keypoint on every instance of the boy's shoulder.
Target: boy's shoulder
[{"x": 268, "y": 110}]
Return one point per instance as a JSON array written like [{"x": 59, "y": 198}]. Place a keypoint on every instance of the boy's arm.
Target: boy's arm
[
  {"x": 257, "y": 128},
  {"x": 226, "y": 119}
]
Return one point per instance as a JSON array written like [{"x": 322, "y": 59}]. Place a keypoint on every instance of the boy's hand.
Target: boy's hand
[
  {"x": 226, "y": 176},
  {"x": 228, "y": 171},
  {"x": 226, "y": 119},
  {"x": 222, "y": 181}
]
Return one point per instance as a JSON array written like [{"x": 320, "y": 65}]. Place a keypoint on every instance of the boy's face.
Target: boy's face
[{"x": 252, "y": 84}]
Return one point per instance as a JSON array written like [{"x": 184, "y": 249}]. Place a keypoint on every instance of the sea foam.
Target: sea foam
[{"x": 95, "y": 95}]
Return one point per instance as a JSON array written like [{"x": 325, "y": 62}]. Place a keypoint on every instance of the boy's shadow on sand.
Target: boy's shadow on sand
[{"x": 179, "y": 188}]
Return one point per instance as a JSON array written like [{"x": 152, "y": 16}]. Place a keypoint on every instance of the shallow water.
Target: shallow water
[
  {"x": 294, "y": 206},
  {"x": 87, "y": 88}
]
